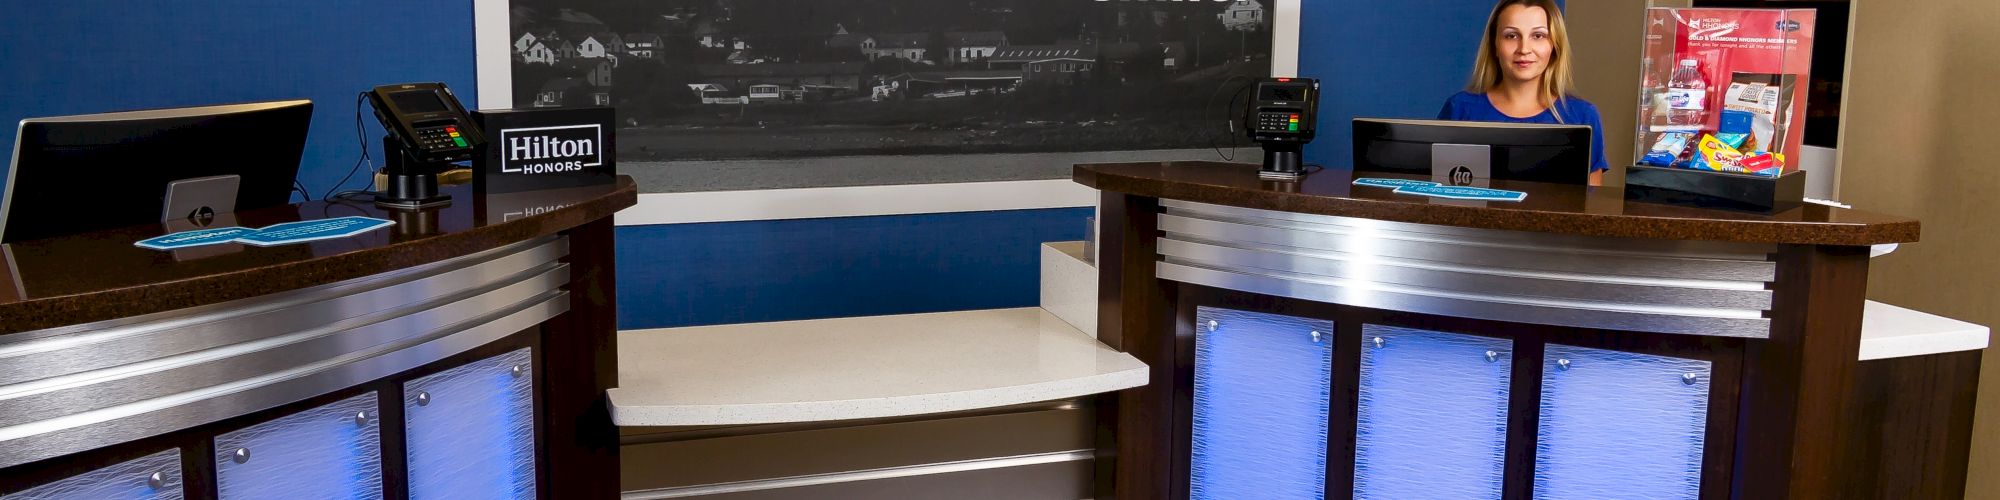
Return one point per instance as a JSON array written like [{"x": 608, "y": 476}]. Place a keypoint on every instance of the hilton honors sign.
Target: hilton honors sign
[{"x": 536, "y": 149}]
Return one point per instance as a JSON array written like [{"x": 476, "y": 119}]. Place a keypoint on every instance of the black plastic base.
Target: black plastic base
[
  {"x": 411, "y": 184},
  {"x": 412, "y": 191},
  {"x": 1282, "y": 162},
  {"x": 1721, "y": 190}
]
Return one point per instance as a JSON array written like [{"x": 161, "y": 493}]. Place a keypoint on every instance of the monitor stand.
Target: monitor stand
[
  {"x": 1281, "y": 162},
  {"x": 412, "y": 184}
]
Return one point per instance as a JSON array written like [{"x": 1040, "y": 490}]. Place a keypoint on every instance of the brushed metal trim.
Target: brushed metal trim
[
  {"x": 73, "y": 393},
  {"x": 1369, "y": 242},
  {"x": 102, "y": 427},
  {"x": 1677, "y": 248},
  {"x": 862, "y": 475},
  {"x": 1468, "y": 279},
  {"x": 203, "y": 313},
  {"x": 253, "y": 319},
  {"x": 1695, "y": 321}
]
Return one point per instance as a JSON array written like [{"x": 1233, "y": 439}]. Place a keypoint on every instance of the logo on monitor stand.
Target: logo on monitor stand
[
  {"x": 1461, "y": 176},
  {"x": 547, "y": 150},
  {"x": 202, "y": 217}
]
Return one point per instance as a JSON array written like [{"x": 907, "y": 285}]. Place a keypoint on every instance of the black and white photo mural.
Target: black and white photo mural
[{"x": 717, "y": 95}]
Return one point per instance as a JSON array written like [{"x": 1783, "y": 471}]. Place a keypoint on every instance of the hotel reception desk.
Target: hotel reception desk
[
  {"x": 1322, "y": 339},
  {"x": 463, "y": 352}
]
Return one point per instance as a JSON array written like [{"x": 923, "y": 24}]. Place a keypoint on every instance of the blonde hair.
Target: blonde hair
[{"x": 1556, "y": 79}]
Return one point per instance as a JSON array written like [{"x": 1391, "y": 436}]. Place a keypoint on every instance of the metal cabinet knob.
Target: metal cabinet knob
[
  {"x": 157, "y": 480},
  {"x": 242, "y": 456},
  {"x": 1562, "y": 364}
]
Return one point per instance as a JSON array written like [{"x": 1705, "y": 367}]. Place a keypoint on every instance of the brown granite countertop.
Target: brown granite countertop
[
  {"x": 102, "y": 276},
  {"x": 1549, "y": 208}
]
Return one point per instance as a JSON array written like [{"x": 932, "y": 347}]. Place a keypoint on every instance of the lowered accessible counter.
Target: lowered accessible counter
[{"x": 1571, "y": 344}]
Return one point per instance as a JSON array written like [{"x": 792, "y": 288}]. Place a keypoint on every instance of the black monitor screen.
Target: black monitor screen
[
  {"x": 119, "y": 164},
  {"x": 1530, "y": 152},
  {"x": 418, "y": 101}
]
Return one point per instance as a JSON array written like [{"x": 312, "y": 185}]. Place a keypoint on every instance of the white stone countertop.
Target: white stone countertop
[{"x": 850, "y": 368}]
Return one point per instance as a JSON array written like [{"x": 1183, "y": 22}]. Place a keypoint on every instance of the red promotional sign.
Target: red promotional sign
[{"x": 1750, "y": 61}]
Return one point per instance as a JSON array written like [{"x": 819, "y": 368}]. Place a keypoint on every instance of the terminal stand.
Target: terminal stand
[{"x": 412, "y": 184}]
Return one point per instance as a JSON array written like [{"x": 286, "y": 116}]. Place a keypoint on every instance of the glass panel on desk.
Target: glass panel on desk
[
  {"x": 332, "y": 452},
  {"x": 1620, "y": 425},
  {"x": 471, "y": 430},
  {"x": 1432, "y": 421},
  {"x": 1260, "y": 405},
  {"x": 153, "y": 477}
]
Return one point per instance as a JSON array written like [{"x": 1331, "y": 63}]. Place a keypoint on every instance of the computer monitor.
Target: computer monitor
[
  {"x": 1516, "y": 151},
  {"x": 77, "y": 174}
]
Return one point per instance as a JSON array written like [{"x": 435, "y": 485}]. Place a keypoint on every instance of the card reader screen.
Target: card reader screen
[
  {"x": 418, "y": 101},
  {"x": 1282, "y": 93}
]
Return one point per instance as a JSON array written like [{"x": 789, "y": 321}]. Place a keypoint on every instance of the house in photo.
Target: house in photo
[
  {"x": 564, "y": 49},
  {"x": 590, "y": 48},
  {"x": 973, "y": 46},
  {"x": 600, "y": 74},
  {"x": 558, "y": 92},
  {"x": 1018, "y": 57},
  {"x": 525, "y": 42},
  {"x": 1243, "y": 15},
  {"x": 906, "y": 46},
  {"x": 1058, "y": 71},
  {"x": 643, "y": 45},
  {"x": 539, "y": 54}
]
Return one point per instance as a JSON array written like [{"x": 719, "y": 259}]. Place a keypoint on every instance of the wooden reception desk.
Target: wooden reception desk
[
  {"x": 463, "y": 352},
  {"x": 1318, "y": 337}
]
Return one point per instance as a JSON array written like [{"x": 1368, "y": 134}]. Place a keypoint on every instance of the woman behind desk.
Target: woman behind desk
[{"x": 1523, "y": 76}]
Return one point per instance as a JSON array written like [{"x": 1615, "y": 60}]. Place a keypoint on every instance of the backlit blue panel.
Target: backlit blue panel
[
  {"x": 471, "y": 430},
  {"x": 154, "y": 477},
  {"x": 1433, "y": 415},
  {"x": 330, "y": 452},
  {"x": 1260, "y": 405},
  {"x": 1620, "y": 425}
]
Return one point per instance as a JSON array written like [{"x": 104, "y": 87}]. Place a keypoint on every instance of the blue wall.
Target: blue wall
[
  {"x": 1384, "y": 59},
  {"x": 90, "y": 56},
  {"x": 737, "y": 272}
]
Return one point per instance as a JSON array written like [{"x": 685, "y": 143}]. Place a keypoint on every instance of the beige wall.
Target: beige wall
[
  {"x": 1918, "y": 140},
  {"x": 1604, "y": 37}
]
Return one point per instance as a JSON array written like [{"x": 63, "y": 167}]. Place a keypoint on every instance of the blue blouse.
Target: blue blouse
[{"x": 1468, "y": 106}]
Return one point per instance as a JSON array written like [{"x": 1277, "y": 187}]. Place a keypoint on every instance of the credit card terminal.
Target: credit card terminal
[
  {"x": 427, "y": 121},
  {"x": 1283, "y": 117}
]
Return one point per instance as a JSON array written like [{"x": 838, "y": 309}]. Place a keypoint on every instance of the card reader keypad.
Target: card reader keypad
[
  {"x": 1277, "y": 122},
  {"x": 445, "y": 137}
]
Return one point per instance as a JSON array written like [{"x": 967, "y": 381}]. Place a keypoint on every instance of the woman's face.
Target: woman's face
[{"x": 1521, "y": 44}]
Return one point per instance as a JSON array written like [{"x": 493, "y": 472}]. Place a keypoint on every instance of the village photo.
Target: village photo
[{"x": 757, "y": 94}]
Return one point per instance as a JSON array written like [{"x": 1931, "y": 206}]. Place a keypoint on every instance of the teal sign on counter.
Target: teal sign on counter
[
  {"x": 1427, "y": 188},
  {"x": 310, "y": 230},
  {"x": 1391, "y": 183},
  {"x": 276, "y": 234},
  {"x": 185, "y": 239},
  {"x": 1464, "y": 193}
]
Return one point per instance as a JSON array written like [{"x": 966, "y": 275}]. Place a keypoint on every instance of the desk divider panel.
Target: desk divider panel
[
  {"x": 471, "y": 430},
  {"x": 1261, "y": 383},
  {"x": 1620, "y": 425},
  {"x": 152, "y": 477},
  {"x": 329, "y": 452},
  {"x": 1432, "y": 419}
]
